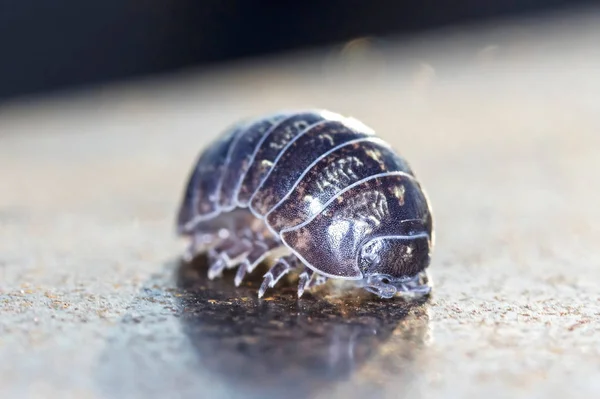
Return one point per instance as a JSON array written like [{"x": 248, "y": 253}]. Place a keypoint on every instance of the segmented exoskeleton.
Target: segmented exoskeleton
[{"x": 323, "y": 187}]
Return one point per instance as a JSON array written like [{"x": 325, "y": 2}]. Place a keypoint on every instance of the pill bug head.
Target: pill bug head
[{"x": 388, "y": 262}]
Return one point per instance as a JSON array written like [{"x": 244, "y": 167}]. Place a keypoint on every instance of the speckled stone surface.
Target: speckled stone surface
[{"x": 501, "y": 124}]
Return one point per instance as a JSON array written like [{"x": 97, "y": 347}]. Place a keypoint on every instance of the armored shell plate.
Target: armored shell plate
[
  {"x": 269, "y": 149},
  {"x": 298, "y": 156},
  {"x": 334, "y": 171},
  {"x": 240, "y": 155}
]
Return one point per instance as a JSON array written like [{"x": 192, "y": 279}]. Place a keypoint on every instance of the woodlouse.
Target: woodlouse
[{"x": 339, "y": 200}]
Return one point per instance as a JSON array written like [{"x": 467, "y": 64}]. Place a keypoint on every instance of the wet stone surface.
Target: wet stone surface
[{"x": 284, "y": 346}]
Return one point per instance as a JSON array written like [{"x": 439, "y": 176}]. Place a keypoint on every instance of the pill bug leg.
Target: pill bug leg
[
  {"x": 281, "y": 267},
  {"x": 236, "y": 254},
  {"x": 413, "y": 287},
  {"x": 418, "y": 286},
  {"x": 260, "y": 250},
  {"x": 381, "y": 289},
  {"x": 304, "y": 279},
  {"x": 227, "y": 254},
  {"x": 309, "y": 279},
  {"x": 228, "y": 258},
  {"x": 199, "y": 242}
]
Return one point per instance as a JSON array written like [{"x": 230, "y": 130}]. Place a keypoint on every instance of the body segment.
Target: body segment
[
  {"x": 203, "y": 191},
  {"x": 334, "y": 171},
  {"x": 240, "y": 155},
  {"x": 273, "y": 145},
  {"x": 298, "y": 156}
]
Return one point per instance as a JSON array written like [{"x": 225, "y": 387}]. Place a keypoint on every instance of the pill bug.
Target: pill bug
[{"x": 320, "y": 186}]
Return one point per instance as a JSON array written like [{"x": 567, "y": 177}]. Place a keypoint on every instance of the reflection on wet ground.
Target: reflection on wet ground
[{"x": 281, "y": 346}]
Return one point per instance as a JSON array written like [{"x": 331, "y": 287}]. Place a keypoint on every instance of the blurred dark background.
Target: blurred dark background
[{"x": 62, "y": 44}]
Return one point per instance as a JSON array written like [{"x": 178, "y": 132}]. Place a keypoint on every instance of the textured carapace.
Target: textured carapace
[{"x": 339, "y": 200}]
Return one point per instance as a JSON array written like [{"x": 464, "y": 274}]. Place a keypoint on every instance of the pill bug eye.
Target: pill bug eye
[
  {"x": 370, "y": 250},
  {"x": 321, "y": 186},
  {"x": 385, "y": 280},
  {"x": 369, "y": 255}
]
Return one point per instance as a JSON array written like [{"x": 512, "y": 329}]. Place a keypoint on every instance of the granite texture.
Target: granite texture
[{"x": 500, "y": 123}]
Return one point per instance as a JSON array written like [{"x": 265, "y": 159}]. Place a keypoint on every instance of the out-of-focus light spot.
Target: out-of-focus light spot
[
  {"x": 424, "y": 74},
  {"x": 360, "y": 47},
  {"x": 488, "y": 53},
  {"x": 359, "y": 56}
]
